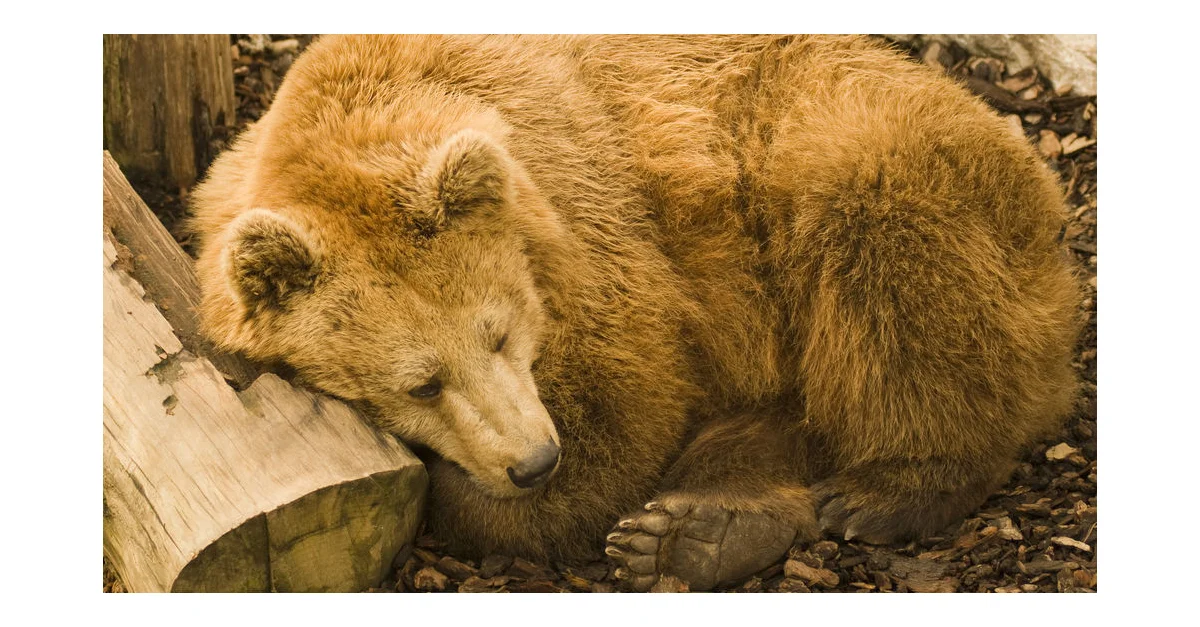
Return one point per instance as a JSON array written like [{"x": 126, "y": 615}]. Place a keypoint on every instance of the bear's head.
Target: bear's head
[{"x": 426, "y": 313}]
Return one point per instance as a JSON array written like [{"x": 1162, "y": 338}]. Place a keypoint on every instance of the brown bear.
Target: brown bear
[{"x": 724, "y": 292}]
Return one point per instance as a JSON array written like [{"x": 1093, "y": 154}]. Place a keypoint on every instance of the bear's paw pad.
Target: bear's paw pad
[{"x": 700, "y": 543}]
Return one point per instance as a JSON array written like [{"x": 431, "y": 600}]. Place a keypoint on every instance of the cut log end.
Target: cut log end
[{"x": 333, "y": 540}]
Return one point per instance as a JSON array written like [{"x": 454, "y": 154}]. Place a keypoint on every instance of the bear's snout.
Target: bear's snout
[{"x": 535, "y": 469}]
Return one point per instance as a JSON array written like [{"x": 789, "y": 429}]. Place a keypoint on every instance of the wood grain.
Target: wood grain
[{"x": 163, "y": 97}]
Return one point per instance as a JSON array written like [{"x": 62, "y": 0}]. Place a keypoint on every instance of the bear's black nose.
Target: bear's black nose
[{"x": 534, "y": 470}]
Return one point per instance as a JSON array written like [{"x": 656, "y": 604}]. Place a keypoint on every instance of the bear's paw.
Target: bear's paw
[{"x": 700, "y": 543}]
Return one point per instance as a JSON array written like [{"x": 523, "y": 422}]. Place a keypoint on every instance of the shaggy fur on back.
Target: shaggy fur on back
[{"x": 793, "y": 275}]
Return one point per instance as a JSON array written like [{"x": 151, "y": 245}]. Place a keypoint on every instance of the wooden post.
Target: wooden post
[
  {"x": 210, "y": 489},
  {"x": 163, "y": 97}
]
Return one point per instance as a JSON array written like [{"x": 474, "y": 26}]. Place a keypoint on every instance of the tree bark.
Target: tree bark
[
  {"x": 164, "y": 271},
  {"x": 167, "y": 101},
  {"x": 210, "y": 489}
]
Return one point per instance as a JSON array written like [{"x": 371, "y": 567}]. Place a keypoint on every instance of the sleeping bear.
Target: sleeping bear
[{"x": 692, "y": 298}]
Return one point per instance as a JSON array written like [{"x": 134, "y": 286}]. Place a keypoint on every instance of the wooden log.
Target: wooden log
[
  {"x": 164, "y": 271},
  {"x": 210, "y": 489},
  {"x": 166, "y": 99}
]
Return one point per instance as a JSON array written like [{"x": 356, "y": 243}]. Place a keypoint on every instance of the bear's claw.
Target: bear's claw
[
  {"x": 700, "y": 543},
  {"x": 640, "y": 542},
  {"x": 837, "y": 517},
  {"x": 653, "y": 523}
]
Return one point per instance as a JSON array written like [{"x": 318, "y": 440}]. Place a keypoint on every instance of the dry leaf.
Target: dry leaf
[
  {"x": 811, "y": 576},
  {"x": 1077, "y": 144},
  {"x": 1007, "y": 530},
  {"x": 430, "y": 579},
  {"x": 1049, "y": 145},
  {"x": 1071, "y": 542},
  {"x": 1059, "y": 452}
]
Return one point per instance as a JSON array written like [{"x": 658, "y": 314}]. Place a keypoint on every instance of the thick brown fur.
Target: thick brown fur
[{"x": 793, "y": 275}]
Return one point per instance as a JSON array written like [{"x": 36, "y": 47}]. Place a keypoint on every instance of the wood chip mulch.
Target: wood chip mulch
[{"x": 1037, "y": 535}]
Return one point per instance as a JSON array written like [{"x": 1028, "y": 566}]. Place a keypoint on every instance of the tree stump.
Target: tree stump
[
  {"x": 207, "y": 488},
  {"x": 167, "y": 99}
]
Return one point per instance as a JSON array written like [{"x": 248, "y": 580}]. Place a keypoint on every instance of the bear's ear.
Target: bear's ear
[
  {"x": 269, "y": 261},
  {"x": 468, "y": 172}
]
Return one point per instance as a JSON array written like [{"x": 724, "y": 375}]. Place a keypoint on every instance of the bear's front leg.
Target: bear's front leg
[
  {"x": 566, "y": 519},
  {"x": 562, "y": 521},
  {"x": 619, "y": 432},
  {"x": 732, "y": 505},
  {"x": 474, "y": 524}
]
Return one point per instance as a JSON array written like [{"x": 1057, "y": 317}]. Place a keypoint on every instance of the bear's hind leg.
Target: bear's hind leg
[
  {"x": 733, "y": 504},
  {"x": 882, "y": 502},
  {"x": 936, "y": 337}
]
